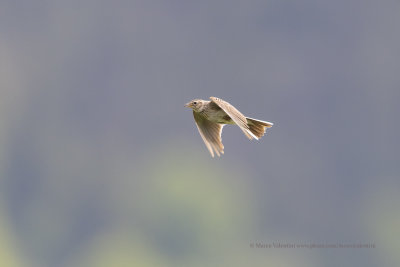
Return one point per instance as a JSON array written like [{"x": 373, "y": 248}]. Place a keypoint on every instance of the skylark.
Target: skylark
[{"x": 211, "y": 116}]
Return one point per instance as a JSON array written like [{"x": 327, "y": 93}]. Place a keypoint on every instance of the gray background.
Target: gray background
[{"x": 101, "y": 165}]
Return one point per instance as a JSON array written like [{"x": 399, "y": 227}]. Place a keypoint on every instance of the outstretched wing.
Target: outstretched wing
[
  {"x": 235, "y": 115},
  {"x": 211, "y": 134}
]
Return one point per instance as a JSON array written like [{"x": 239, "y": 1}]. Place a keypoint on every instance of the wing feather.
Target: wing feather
[
  {"x": 210, "y": 132},
  {"x": 235, "y": 115}
]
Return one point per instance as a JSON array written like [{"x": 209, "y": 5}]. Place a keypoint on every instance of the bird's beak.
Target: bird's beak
[{"x": 188, "y": 105}]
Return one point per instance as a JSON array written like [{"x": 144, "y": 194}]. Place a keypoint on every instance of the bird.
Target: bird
[{"x": 212, "y": 115}]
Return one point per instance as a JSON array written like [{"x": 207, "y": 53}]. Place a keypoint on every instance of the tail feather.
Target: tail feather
[{"x": 258, "y": 127}]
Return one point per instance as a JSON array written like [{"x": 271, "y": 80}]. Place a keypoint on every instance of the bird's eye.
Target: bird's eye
[{"x": 195, "y": 103}]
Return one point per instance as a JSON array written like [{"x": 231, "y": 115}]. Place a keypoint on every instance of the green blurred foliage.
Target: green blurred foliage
[
  {"x": 185, "y": 210},
  {"x": 381, "y": 219},
  {"x": 10, "y": 253}
]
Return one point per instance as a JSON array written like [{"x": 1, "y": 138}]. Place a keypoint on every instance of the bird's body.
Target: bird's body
[
  {"x": 214, "y": 113},
  {"x": 211, "y": 116}
]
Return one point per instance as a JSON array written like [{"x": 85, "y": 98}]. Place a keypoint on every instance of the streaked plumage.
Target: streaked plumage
[{"x": 211, "y": 116}]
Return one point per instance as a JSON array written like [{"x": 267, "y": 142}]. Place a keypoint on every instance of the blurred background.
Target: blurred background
[{"x": 101, "y": 164}]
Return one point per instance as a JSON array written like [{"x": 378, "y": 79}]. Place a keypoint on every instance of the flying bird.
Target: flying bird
[{"x": 212, "y": 116}]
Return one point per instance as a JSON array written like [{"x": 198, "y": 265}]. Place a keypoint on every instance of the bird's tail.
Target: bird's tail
[{"x": 258, "y": 127}]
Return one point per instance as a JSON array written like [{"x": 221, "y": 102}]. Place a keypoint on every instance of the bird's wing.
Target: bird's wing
[
  {"x": 211, "y": 134},
  {"x": 235, "y": 115}
]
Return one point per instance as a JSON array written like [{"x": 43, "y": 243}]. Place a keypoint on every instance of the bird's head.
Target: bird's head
[{"x": 196, "y": 104}]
